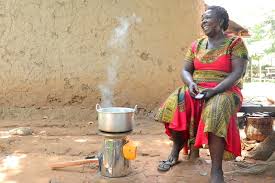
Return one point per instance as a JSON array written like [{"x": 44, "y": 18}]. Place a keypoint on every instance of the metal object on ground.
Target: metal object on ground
[
  {"x": 115, "y": 119},
  {"x": 115, "y": 123},
  {"x": 248, "y": 110},
  {"x": 113, "y": 162},
  {"x": 257, "y": 108}
]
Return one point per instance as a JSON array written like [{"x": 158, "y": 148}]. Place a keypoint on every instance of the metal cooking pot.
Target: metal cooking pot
[{"x": 115, "y": 119}]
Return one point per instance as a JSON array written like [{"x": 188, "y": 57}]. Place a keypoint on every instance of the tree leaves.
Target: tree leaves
[{"x": 264, "y": 31}]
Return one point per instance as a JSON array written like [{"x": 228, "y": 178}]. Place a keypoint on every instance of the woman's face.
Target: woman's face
[{"x": 210, "y": 23}]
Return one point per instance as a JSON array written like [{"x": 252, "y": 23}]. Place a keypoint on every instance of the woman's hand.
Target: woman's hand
[
  {"x": 193, "y": 89},
  {"x": 210, "y": 92}
]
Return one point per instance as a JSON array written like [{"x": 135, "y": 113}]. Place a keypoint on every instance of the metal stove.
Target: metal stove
[
  {"x": 115, "y": 124},
  {"x": 115, "y": 154}
]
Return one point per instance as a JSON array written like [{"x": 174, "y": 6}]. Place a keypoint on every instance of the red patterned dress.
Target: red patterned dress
[{"x": 195, "y": 118}]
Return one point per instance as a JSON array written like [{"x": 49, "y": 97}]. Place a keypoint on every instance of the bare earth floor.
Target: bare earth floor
[{"x": 55, "y": 141}]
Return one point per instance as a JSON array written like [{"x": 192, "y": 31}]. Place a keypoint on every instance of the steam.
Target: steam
[
  {"x": 107, "y": 88},
  {"x": 117, "y": 44},
  {"x": 118, "y": 39}
]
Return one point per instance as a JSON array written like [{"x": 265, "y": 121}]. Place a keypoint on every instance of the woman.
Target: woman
[{"x": 214, "y": 67}]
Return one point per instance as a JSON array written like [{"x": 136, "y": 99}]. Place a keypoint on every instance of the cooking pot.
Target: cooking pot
[{"x": 115, "y": 119}]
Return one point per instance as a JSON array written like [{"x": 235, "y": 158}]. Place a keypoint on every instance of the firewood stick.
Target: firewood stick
[{"x": 54, "y": 166}]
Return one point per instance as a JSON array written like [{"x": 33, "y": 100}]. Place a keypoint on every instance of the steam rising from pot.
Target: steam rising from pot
[{"x": 117, "y": 44}]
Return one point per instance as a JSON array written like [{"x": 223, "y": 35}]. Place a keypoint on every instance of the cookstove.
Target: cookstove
[{"x": 116, "y": 124}]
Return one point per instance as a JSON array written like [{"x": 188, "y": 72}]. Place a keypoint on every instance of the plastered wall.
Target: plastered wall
[{"x": 58, "y": 56}]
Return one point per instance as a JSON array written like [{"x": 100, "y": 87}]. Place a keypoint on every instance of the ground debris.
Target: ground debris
[
  {"x": 255, "y": 169},
  {"x": 249, "y": 145},
  {"x": 90, "y": 122},
  {"x": 203, "y": 173},
  {"x": 53, "y": 181},
  {"x": 239, "y": 158},
  {"x": 43, "y": 132},
  {"x": 23, "y": 131},
  {"x": 145, "y": 154}
]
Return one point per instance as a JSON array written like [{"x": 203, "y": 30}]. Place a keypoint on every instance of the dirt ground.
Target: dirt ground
[{"x": 55, "y": 141}]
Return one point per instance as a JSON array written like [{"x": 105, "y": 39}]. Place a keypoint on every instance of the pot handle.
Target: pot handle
[{"x": 97, "y": 106}]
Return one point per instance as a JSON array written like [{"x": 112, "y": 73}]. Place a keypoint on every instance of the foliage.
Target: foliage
[{"x": 264, "y": 31}]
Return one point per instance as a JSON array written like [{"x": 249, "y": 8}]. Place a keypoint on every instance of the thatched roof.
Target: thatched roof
[{"x": 237, "y": 29}]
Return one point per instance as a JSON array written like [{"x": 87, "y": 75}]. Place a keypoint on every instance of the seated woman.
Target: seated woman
[{"x": 214, "y": 67}]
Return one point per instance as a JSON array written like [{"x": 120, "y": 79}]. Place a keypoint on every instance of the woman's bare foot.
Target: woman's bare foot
[
  {"x": 216, "y": 176},
  {"x": 194, "y": 153}
]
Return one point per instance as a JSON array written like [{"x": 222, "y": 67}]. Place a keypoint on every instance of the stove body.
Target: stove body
[
  {"x": 115, "y": 124},
  {"x": 113, "y": 162}
]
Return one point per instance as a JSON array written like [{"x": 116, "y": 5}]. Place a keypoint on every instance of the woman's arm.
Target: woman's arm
[
  {"x": 186, "y": 76},
  {"x": 238, "y": 70}
]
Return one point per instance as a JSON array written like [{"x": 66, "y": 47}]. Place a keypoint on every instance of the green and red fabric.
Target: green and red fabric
[{"x": 195, "y": 118}]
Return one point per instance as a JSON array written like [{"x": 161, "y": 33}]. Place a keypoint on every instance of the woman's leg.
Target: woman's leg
[
  {"x": 216, "y": 147},
  {"x": 178, "y": 144},
  {"x": 215, "y": 120},
  {"x": 194, "y": 153}
]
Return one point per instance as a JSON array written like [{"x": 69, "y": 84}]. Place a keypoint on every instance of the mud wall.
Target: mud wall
[{"x": 58, "y": 56}]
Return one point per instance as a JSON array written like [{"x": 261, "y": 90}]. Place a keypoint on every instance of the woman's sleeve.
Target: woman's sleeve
[
  {"x": 190, "y": 55},
  {"x": 239, "y": 49}
]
